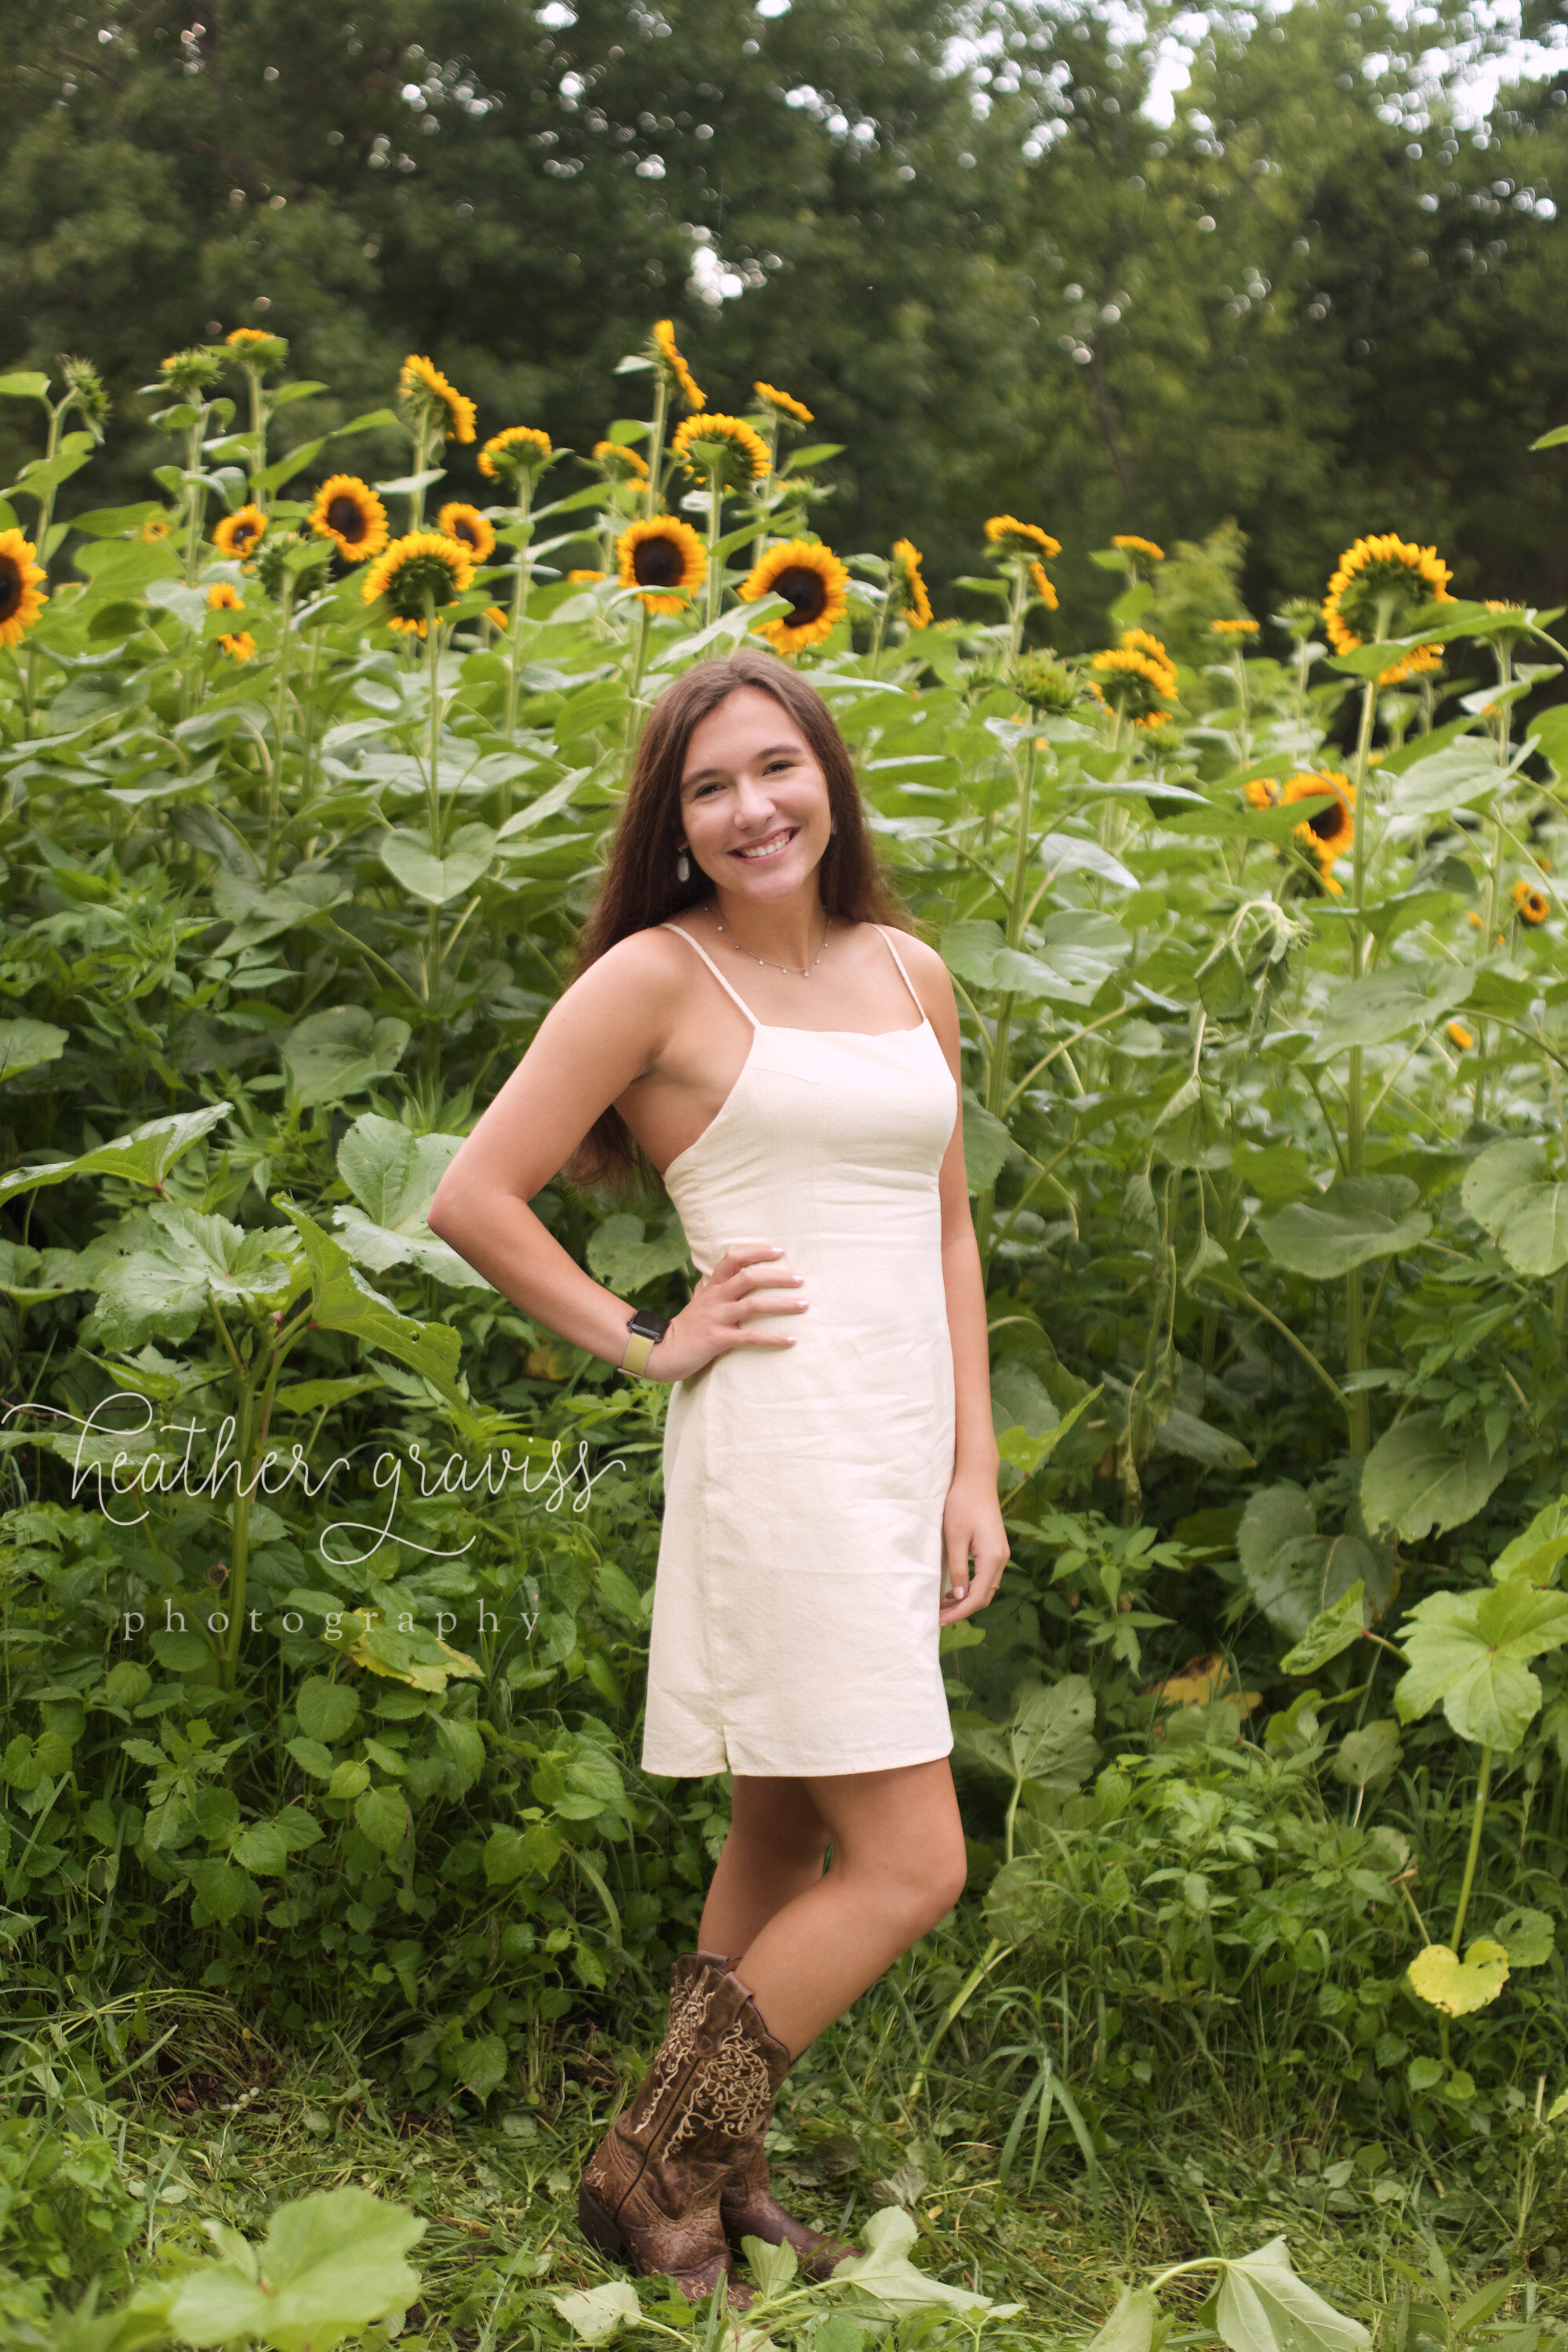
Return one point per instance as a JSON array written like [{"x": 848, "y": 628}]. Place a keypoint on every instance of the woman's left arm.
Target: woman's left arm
[{"x": 973, "y": 1537}]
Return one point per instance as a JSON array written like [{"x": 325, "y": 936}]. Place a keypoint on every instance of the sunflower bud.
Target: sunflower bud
[
  {"x": 1301, "y": 616},
  {"x": 83, "y": 379},
  {"x": 254, "y": 348},
  {"x": 1043, "y": 682}
]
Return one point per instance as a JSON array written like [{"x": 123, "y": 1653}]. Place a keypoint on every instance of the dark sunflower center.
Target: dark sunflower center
[
  {"x": 658, "y": 563},
  {"x": 244, "y": 532},
  {"x": 467, "y": 533},
  {"x": 807, "y": 590},
  {"x": 347, "y": 518},
  {"x": 11, "y": 585},
  {"x": 1329, "y": 823}
]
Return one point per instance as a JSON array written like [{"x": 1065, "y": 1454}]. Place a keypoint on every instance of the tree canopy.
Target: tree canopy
[{"x": 1311, "y": 304}]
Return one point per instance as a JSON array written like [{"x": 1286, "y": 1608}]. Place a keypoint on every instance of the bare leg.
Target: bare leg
[
  {"x": 898, "y": 1866},
  {"x": 773, "y": 1853}
]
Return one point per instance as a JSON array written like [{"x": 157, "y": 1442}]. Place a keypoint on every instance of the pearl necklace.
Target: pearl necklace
[{"x": 803, "y": 971}]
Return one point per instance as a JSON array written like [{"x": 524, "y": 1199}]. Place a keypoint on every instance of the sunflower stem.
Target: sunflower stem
[
  {"x": 655, "y": 443},
  {"x": 258, "y": 437},
  {"x": 421, "y": 438},
  {"x": 519, "y": 588},
  {"x": 1015, "y": 618},
  {"x": 715, "y": 561},
  {"x": 1359, "y": 1417},
  {"x": 1483, "y": 1784},
  {"x": 279, "y": 721},
  {"x": 1504, "y": 657},
  {"x": 433, "y": 769}
]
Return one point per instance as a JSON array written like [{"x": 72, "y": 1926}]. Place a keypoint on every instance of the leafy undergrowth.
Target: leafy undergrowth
[{"x": 232, "y": 2131}]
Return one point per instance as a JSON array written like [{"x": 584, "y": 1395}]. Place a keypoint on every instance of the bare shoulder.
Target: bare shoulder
[
  {"x": 923, "y": 964},
  {"x": 647, "y": 968}
]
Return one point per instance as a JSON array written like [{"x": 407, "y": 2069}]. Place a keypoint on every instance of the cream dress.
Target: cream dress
[{"x": 800, "y": 1569}]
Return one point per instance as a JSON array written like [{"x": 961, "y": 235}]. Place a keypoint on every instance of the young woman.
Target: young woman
[{"x": 741, "y": 1022}]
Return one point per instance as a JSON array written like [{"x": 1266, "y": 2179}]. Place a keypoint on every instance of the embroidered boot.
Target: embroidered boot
[
  {"x": 651, "y": 2190},
  {"x": 748, "y": 2207}
]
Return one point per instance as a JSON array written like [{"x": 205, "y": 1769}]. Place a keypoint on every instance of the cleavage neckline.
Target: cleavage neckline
[{"x": 758, "y": 1027}]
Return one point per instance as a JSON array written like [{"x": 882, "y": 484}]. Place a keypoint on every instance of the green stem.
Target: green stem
[
  {"x": 715, "y": 561},
  {"x": 433, "y": 771},
  {"x": 1015, "y": 617},
  {"x": 1483, "y": 1784},
  {"x": 1360, "y": 1413},
  {"x": 656, "y": 444},
  {"x": 1504, "y": 657},
  {"x": 280, "y": 721}
]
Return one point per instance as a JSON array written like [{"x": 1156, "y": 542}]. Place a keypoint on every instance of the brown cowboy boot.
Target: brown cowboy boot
[
  {"x": 651, "y": 2190},
  {"x": 748, "y": 2207}
]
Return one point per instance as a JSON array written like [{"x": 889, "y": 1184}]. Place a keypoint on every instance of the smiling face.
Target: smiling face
[{"x": 754, "y": 799}]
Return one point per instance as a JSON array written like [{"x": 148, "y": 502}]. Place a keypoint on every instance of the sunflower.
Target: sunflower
[
  {"x": 813, "y": 580},
  {"x": 497, "y": 618},
  {"x": 1129, "y": 682},
  {"x": 1261, "y": 792},
  {"x": 467, "y": 525},
  {"x": 1043, "y": 588},
  {"x": 1333, "y": 830},
  {"x": 666, "y": 354},
  {"x": 224, "y": 598},
  {"x": 1376, "y": 571},
  {"x": 1043, "y": 682},
  {"x": 21, "y": 600},
  {"x": 348, "y": 511},
  {"x": 724, "y": 447},
  {"x": 1460, "y": 1037},
  {"x": 184, "y": 373},
  {"x": 1235, "y": 628},
  {"x": 907, "y": 595},
  {"x": 155, "y": 527},
  {"x": 1301, "y": 616},
  {"x": 1139, "y": 642},
  {"x": 1131, "y": 544},
  {"x": 83, "y": 379},
  {"x": 583, "y": 579},
  {"x": 254, "y": 347},
  {"x": 1533, "y": 906},
  {"x": 237, "y": 533},
  {"x": 521, "y": 450},
  {"x": 782, "y": 405},
  {"x": 618, "y": 463},
  {"x": 665, "y": 555},
  {"x": 422, "y": 385},
  {"x": 423, "y": 567},
  {"x": 1011, "y": 537},
  {"x": 1415, "y": 663}
]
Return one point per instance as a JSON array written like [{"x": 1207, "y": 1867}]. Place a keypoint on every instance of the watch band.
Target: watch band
[{"x": 647, "y": 1331}]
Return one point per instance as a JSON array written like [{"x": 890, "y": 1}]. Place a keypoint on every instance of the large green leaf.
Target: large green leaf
[
  {"x": 1388, "y": 1004},
  {"x": 394, "y": 1174},
  {"x": 329, "y": 2266},
  {"x": 1048, "y": 1738},
  {"x": 1331, "y": 1630},
  {"x": 1466, "y": 1650},
  {"x": 1263, "y": 2306},
  {"x": 174, "y": 1261},
  {"x": 143, "y": 1157},
  {"x": 1419, "y": 1479},
  {"x": 885, "y": 2283},
  {"x": 1447, "y": 779},
  {"x": 331, "y": 1055},
  {"x": 258, "y": 914},
  {"x": 341, "y": 1300},
  {"x": 1358, "y": 1218},
  {"x": 25, "y": 1043},
  {"x": 626, "y": 1260},
  {"x": 1508, "y": 1192},
  {"x": 465, "y": 859},
  {"x": 1294, "y": 1574},
  {"x": 986, "y": 1143},
  {"x": 1072, "y": 954}
]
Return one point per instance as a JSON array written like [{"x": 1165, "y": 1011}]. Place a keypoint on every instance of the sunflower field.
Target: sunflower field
[{"x": 326, "y": 1574}]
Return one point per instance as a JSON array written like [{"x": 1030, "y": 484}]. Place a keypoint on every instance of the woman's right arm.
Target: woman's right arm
[{"x": 608, "y": 1029}]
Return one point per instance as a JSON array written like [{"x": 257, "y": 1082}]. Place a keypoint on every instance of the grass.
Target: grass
[{"x": 230, "y": 2128}]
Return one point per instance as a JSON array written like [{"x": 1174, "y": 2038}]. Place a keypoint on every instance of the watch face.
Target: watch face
[{"x": 647, "y": 1325}]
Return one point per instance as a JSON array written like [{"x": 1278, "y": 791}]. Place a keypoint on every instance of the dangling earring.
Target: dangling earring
[
  {"x": 682, "y": 868},
  {"x": 833, "y": 825}
]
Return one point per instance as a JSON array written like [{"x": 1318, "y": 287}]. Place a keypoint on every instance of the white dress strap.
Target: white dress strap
[
  {"x": 909, "y": 984},
  {"x": 681, "y": 933}
]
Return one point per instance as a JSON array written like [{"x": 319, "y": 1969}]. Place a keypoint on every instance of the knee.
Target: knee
[{"x": 919, "y": 1888}]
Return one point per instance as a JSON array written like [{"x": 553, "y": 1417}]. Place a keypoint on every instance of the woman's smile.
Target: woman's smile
[{"x": 772, "y": 845}]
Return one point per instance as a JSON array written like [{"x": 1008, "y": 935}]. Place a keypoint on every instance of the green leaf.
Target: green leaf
[
  {"x": 626, "y": 1262},
  {"x": 1438, "y": 1976},
  {"x": 343, "y": 1301},
  {"x": 1263, "y": 2306},
  {"x": 258, "y": 914},
  {"x": 222, "y": 1890},
  {"x": 313, "y": 1757},
  {"x": 1298, "y": 1576},
  {"x": 1507, "y": 1193},
  {"x": 986, "y": 1143},
  {"x": 598, "y": 2311},
  {"x": 482, "y": 2066},
  {"x": 1331, "y": 1630},
  {"x": 1131, "y": 2326},
  {"x": 173, "y": 1262},
  {"x": 467, "y": 859},
  {"x": 329, "y": 2265},
  {"x": 1388, "y": 1004},
  {"x": 25, "y": 1043},
  {"x": 341, "y": 1052},
  {"x": 885, "y": 2283},
  {"x": 1529, "y": 1937},
  {"x": 27, "y": 384},
  {"x": 1366, "y": 1758},
  {"x": 1537, "y": 1552},
  {"x": 394, "y": 1174},
  {"x": 381, "y": 1816},
  {"x": 1358, "y": 1218},
  {"x": 1048, "y": 1738},
  {"x": 1466, "y": 1650},
  {"x": 143, "y": 1157},
  {"x": 1447, "y": 779},
  {"x": 1419, "y": 1479},
  {"x": 326, "y": 1710}
]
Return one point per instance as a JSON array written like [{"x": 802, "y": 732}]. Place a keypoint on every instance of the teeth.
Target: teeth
[{"x": 769, "y": 848}]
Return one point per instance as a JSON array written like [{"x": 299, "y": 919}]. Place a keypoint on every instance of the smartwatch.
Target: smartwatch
[{"x": 647, "y": 1331}]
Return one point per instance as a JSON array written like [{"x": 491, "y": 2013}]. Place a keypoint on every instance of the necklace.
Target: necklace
[{"x": 805, "y": 970}]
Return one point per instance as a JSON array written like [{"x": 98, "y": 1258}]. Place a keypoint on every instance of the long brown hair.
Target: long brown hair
[{"x": 640, "y": 888}]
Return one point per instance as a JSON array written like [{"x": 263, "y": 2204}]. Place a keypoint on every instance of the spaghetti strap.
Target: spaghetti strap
[
  {"x": 898, "y": 959},
  {"x": 681, "y": 933}
]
